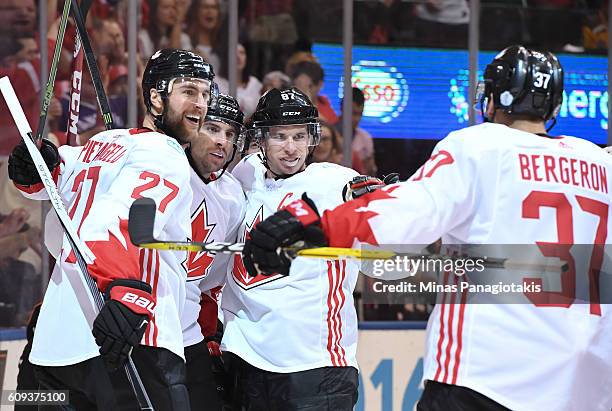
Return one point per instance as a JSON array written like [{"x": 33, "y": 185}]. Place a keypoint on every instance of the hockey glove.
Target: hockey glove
[
  {"x": 21, "y": 167},
  {"x": 298, "y": 226},
  {"x": 362, "y": 185},
  {"x": 123, "y": 319}
]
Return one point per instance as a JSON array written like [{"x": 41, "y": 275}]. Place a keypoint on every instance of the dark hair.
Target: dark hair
[
  {"x": 153, "y": 28},
  {"x": 336, "y": 136},
  {"x": 246, "y": 72},
  {"x": 312, "y": 70},
  {"x": 192, "y": 24},
  {"x": 9, "y": 46},
  {"x": 358, "y": 97}
]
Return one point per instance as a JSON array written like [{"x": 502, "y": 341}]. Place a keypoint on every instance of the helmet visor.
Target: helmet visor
[
  {"x": 307, "y": 135},
  {"x": 235, "y": 136},
  {"x": 191, "y": 88}
]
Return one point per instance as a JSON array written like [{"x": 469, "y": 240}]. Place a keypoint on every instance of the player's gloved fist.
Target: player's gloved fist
[
  {"x": 122, "y": 320},
  {"x": 298, "y": 226},
  {"x": 21, "y": 168},
  {"x": 362, "y": 185}
]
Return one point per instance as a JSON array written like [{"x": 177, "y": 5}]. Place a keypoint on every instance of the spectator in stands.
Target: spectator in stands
[
  {"x": 24, "y": 77},
  {"x": 16, "y": 235},
  {"x": 117, "y": 80},
  {"x": 203, "y": 24},
  {"x": 331, "y": 148},
  {"x": 19, "y": 281},
  {"x": 308, "y": 77},
  {"x": 29, "y": 49},
  {"x": 595, "y": 29},
  {"x": 298, "y": 57},
  {"x": 116, "y": 38},
  {"x": 442, "y": 23},
  {"x": 272, "y": 30},
  {"x": 249, "y": 87},
  {"x": 17, "y": 17},
  {"x": 275, "y": 79},
  {"x": 544, "y": 14},
  {"x": 164, "y": 28},
  {"x": 363, "y": 144}
]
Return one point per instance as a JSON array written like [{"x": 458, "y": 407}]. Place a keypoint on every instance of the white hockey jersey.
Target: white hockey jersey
[
  {"x": 304, "y": 320},
  {"x": 217, "y": 211},
  {"x": 490, "y": 184},
  {"x": 98, "y": 183}
]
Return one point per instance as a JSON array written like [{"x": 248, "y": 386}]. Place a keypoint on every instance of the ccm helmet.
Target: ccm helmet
[
  {"x": 225, "y": 108},
  {"x": 523, "y": 81},
  {"x": 283, "y": 107}
]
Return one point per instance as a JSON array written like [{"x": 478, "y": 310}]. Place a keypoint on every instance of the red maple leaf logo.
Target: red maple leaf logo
[
  {"x": 242, "y": 277},
  {"x": 115, "y": 258},
  {"x": 350, "y": 221},
  {"x": 198, "y": 262}
]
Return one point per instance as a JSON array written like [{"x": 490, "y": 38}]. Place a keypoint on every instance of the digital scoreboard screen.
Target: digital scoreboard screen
[{"x": 423, "y": 93}]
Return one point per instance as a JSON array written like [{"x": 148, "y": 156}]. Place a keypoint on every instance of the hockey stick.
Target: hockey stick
[
  {"x": 57, "y": 51},
  {"x": 81, "y": 251},
  {"x": 76, "y": 82},
  {"x": 90, "y": 58},
  {"x": 142, "y": 219}
]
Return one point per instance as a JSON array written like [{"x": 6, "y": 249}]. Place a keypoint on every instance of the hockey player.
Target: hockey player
[
  {"x": 217, "y": 211},
  {"x": 503, "y": 182},
  {"x": 293, "y": 333},
  {"x": 99, "y": 181}
]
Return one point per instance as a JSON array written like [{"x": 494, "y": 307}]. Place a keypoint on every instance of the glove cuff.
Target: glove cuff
[
  {"x": 134, "y": 294},
  {"x": 303, "y": 212}
]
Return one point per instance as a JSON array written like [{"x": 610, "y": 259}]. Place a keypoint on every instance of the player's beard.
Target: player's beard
[{"x": 175, "y": 127}]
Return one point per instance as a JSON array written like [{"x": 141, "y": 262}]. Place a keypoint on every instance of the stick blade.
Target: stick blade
[{"x": 142, "y": 220}]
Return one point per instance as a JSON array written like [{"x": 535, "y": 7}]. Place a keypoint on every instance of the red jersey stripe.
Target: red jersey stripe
[
  {"x": 441, "y": 336},
  {"x": 329, "y": 313},
  {"x": 459, "y": 337},
  {"x": 449, "y": 345}
]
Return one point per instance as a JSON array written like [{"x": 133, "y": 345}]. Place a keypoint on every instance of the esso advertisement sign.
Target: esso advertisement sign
[{"x": 385, "y": 89}]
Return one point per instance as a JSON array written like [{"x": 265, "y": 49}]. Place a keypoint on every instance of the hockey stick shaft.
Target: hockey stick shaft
[
  {"x": 141, "y": 224},
  {"x": 81, "y": 251},
  {"x": 44, "y": 108},
  {"x": 76, "y": 84},
  {"x": 90, "y": 58}
]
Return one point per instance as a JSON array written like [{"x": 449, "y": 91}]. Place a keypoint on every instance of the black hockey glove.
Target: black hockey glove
[
  {"x": 122, "y": 320},
  {"x": 362, "y": 185},
  {"x": 21, "y": 168},
  {"x": 298, "y": 226}
]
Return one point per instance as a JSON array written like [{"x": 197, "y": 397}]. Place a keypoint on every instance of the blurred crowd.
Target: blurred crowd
[{"x": 275, "y": 39}]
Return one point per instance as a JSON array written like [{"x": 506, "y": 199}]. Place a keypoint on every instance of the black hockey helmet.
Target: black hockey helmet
[
  {"x": 282, "y": 107},
  {"x": 523, "y": 81},
  {"x": 168, "y": 64},
  {"x": 226, "y": 109}
]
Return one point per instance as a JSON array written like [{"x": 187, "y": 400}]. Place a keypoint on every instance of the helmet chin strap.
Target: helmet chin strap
[{"x": 228, "y": 162}]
